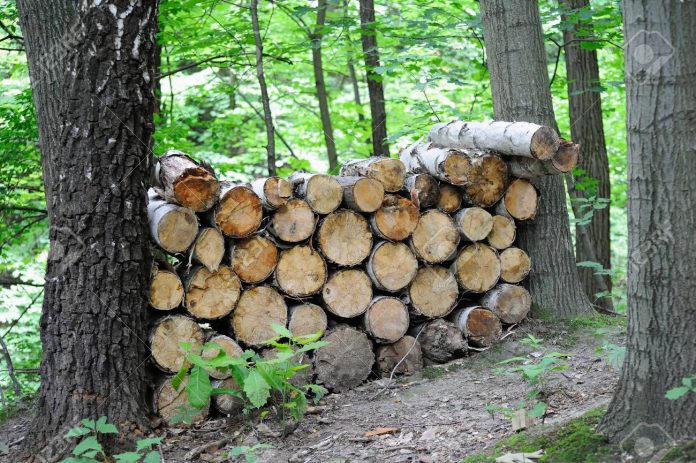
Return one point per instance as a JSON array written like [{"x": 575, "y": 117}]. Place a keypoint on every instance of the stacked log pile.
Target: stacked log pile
[{"x": 399, "y": 262}]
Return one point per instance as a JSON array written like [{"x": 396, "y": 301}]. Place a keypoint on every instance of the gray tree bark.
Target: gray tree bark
[
  {"x": 587, "y": 129},
  {"x": 661, "y": 100},
  {"x": 520, "y": 87},
  {"x": 92, "y": 72}
]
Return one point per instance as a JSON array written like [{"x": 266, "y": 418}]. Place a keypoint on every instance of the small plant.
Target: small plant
[
  {"x": 248, "y": 452},
  {"x": 90, "y": 450},
  {"x": 532, "y": 341},
  {"x": 612, "y": 354},
  {"x": 686, "y": 387},
  {"x": 256, "y": 376}
]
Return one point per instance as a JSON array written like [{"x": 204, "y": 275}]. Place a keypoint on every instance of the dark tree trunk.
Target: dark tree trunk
[
  {"x": 587, "y": 129},
  {"x": 375, "y": 88},
  {"x": 520, "y": 87},
  {"x": 661, "y": 100},
  {"x": 320, "y": 85},
  {"x": 265, "y": 100},
  {"x": 92, "y": 71}
]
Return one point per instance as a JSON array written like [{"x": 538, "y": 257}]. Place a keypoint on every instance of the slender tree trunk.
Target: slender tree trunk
[
  {"x": 661, "y": 100},
  {"x": 265, "y": 100},
  {"x": 92, "y": 71},
  {"x": 375, "y": 86},
  {"x": 520, "y": 87},
  {"x": 356, "y": 89},
  {"x": 320, "y": 84},
  {"x": 587, "y": 128}
]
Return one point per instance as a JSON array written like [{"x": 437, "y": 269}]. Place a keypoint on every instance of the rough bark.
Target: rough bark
[
  {"x": 375, "y": 86},
  {"x": 478, "y": 325},
  {"x": 301, "y": 271},
  {"x": 211, "y": 295},
  {"x": 347, "y": 361},
  {"x": 362, "y": 194},
  {"x": 435, "y": 238},
  {"x": 386, "y": 319},
  {"x": 347, "y": 293},
  {"x": 307, "y": 319},
  {"x": 345, "y": 238},
  {"x": 396, "y": 219},
  {"x": 258, "y": 309},
  {"x": 662, "y": 260},
  {"x": 433, "y": 293},
  {"x": 477, "y": 268},
  {"x": 587, "y": 129},
  {"x": 404, "y": 357},
  {"x": 440, "y": 340},
  {"x": 86, "y": 63},
  {"x": 322, "y": 192},
  {"x": 520, "y": 88},
  {"x": 392, "y": 266},
  {"x": 254, "y": 258}
]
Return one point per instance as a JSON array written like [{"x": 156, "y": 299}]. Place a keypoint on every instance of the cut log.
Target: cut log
[
  {"x": 228, "y": 404},
  {"x": 293, "y": 222},
  {"x": 521, "y": 201},
  {"x": 229, "y": 347},
  {"x": 211, "y": 295},
  {"x": 362, "y": 194},
  {"x": 172, "y": 227},
  {"x": 390, "y": 172},
  {"x": 273, "y": 191},
  {"x": 440, "y": 340},
  {"x": 391, "y": 266},
  {"x": 168, "y": 402},
  {"x": 396, "y": 219},
  {"x": 166, "y": 290},
  {"x": 254, "y": 258},
  {"x": 435, "y": 238},
  {"x": 165, "y": 339},
  {"x": 511, "y": 303},
  {"x": 423, "y": 190},
  {"x": 478, "y": 325},
  {"x": 510, "y": 138},
  {"x": 448, "y": 165},
  {"x": 515, "y": 265},
  {"x": 433, "y": 293},
  {"x": 474, "y": 223},
  {"x": 404, "y": 357},
  {"x": 488, "y": 179},
  {"x": 181, "y": 180},
  {"x": 477, "y": 268},
  {"x": 258, "y": 309},
  {"x": 503, "y": 233},
  {"x": 323, "y": 193},
  {"x": 348, "y": 293},
  {"x": 567, "y": 157},
  {"x": 209, "y": 248},
  {"x": 347, "y": 361},
  {"x": 386, "y": 319},
  {"x": 306, "y": 319},
  {"x": 239, "y": 212},
  {"x": 345, "y": 238},
  {"x": 450, "y": 199},
  {"x": 301, "y": 271}
]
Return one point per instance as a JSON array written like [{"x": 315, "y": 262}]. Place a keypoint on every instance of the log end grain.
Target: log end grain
[
  {"x": 480, "y": 326},
  {"x": 474, "y": 223},
  {"x": 392, "y": 266},
  {"x": 347, "y": 293},
  {"x": 254, "y": 258},
  {"x": 229, "y": 347},
  {"x": 423, "y": 189},
  {"x": 477, "y": 268},
  {"x": 511, "y": 303},
  {"x": 323, "y": 193},
  {"x": 347, "y": 361},
  {"x": 165, "y": 337},
  {"x": 169, "y": 401},
  {"x": 404, "y": 357},
  {"x": 166, "y": 290},
  {"x": 197, "y": 189},
  {"x": 396, "y": 218},
  {"x": 209, "y": 248},
  {"x": 503, "y": 233},
  {"x": 301, "y": 271},
  {"x": 173, "y": 227},
  {"x": 433, "y": 292},
  {"x": 277, "y": 191},
  {"x": 386, "y": 319},
  {"x": 239, "y": 212},
  {"x": 345, "y": 238},
  {"x": 258, "y": 309},
  {"x": 521, "y": 200},
  {"x": 435, "y": 238},
  {"x": 567, "y": 156},
  {"x": 515, "y": 265},
  {"x": 440, "y": 340},
  {"x": 293, "y": 222},
  {"x": 307, "y": 319},
  {"x": 212, "y": 295},
  {"x": 487, "y": 182},
  {"x": 544, "y": 144},
  {"x": 390, "y": 172},
  {"x": 450, "y": 198},
  {"x": 228, "y": 404}
]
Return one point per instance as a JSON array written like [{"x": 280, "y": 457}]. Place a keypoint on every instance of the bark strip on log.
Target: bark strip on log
[
  {"x": 301, "y": 271},
  {"x": 293, "y": 222},
  {"x": 169, "y": 401},
  {"x": 391, "y": 172},
  {"x": 323, "y": 193},
  {"x": 515, "y": 265},
  {"x": 362, "y": 194},
  {"x": 521, "y": 201},
  {"x": 211, "y": 295},
  {"x": 254, "y": 258},
  {"x": 273, "y": 191},
  {"x": 209, "y": 248},
  {"x": 503, "y": 233},
  {"x": 229, "y": 347},
  {"x": 435, "y": 238},
  {"x": 567, "y": 157},
  {"x": 239, "y": 212},
  {"x": 391, "y": 266},
  {"x": 404, "y": 357},
  {"x": 510, "y": 138},
  {"x": 450, "y": 199},
  {"x": 347, "y": 293},
  {"x": 386, "y": 319},
  {"x": 478, "y": 325},
  {"x": 440, "y": 340},
  {"x": 258, "y": 309},
  {"x": 181, "y": 180},
  {"x": 172, "y": 227},
  {"x": 448, "y": 165},
  {"x": 477, "y": 268},
  {"x": 396, "y": 219},
  {"x": 433, "y": 293},
  {"x": 345, "y": 238},
  {"x": 511, "y": 303},
  {"x": 474, "y": 223},
  {"x": 423, "y": 190},
  {"x": 166, "y": 290},
  {"x": 307, "y": 319},
  {"x": 165, "y": 337},
  {"x": 347, "y": 361}
]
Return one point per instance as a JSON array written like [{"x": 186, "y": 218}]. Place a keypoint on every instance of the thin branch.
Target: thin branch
[
  {"x": 23, "y": 208},
  {"x": 558, "y": 58},
  {"x": 228, "y": 60},
  {"x": 8, "y": 280},
  {"x": 11, "y": 49},
  {"x": 258, "y": 113},
  {"x": 10, "y": 34},
  {"x": 10, "y": 368}
]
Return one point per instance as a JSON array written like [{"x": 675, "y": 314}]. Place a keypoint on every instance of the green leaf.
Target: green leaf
[
  {"x": 128, "y": 457},
  {"x": 281, "y": 330},
  {"x": 198, "y": 387},
  {"x": 538, "y": 410},
  {"x": 105, "y": 428},
  {"x": 143, "y": 444},
  {"x": 88, "y": 443},
  {"x": 179, "y": 377},
  {"x": 152, "y": 457},
  {"x": 257, "y": 389},
  {"x": 313, "y": 346},
  {"x": 677, "y": 392},
  {"x": 77, "y": 432},
  {"x": 88, "y": 423}
]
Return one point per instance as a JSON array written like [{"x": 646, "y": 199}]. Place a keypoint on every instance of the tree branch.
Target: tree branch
[
  {"x": 8, "y": 280},
  {"x": 228, "y": 60}
]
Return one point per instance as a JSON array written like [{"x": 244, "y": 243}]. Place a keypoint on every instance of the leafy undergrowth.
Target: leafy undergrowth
[{"x": 574, "y": 442}]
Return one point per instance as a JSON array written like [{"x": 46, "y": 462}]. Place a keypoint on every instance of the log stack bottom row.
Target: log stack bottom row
[{"x": 399, "y": 262}]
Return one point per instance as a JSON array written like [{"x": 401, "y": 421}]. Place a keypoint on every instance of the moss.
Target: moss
[
  {"x": 596, "y": 321},
  {"x": 682, "y": 454},
  {"x": 433, "y": 372}
]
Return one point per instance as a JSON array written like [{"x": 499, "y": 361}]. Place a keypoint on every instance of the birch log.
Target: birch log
[
  {"x": 211, "y": 295},
  {"x": 391, "y": 266},
  {"x": 300, "y": 272},
  {"x": 511, "y": 303},
  {"x": 254, "y": 258},
  {"x": 433, "y": 293},
  {"x": 567, "y": 157},
  {"x": 165, "y": 339},
  {"x": 347, "y": 293},
  {"x": 478, "y": 325},
  {"x": 172, "y": 227},
  {"x": 435, "y": 238},
  {"x": 347, "y": 361},
  {"x": 361, "y": 194},
  {"x": 181, "y": 180},
  {"x": 477, "y": 268},
  {"x": 503, "y": 233},
  {"x": 323, "y": 193},
  {"x": 396, "y": 219},
  {"x": 273, "y": 191},
  {"x": 390, "y": 172},
  {"x": 450, "y": 198},
  {"x": 423, "y": 190},
  {"x": 487, "y": 180},
  {"x": 345, "y": 238},
  {"x": 511, "y": 138},
  {"x": 239, "y": 212},
  {"x": 258, "y": 309},
  {"x": 209, "y": 248},
  {"x": 386, "y": 319},
  {"x": 166, "y": 290},
  {"x": 293, "y": 222},
  {"x": 521, "y": 201},
  {"x": 474, "y": 223}
]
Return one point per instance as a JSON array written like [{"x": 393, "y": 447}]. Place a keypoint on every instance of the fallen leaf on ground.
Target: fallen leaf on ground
[
  {"x": 520, "y": 457},
  {"x": 381, "y": 431}
]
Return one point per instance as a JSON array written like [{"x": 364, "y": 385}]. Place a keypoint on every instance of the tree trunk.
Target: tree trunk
[
  {"x": 375, "y": 87},
  {"x": 322, "y": 94},
  {"x": 520, "y": 88},
  {"x": 661, "y": 101},
  {"x": 587, "y": 129},
  {"x": 84, "y": 63},
  {"x": 265, "y": 99}
]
